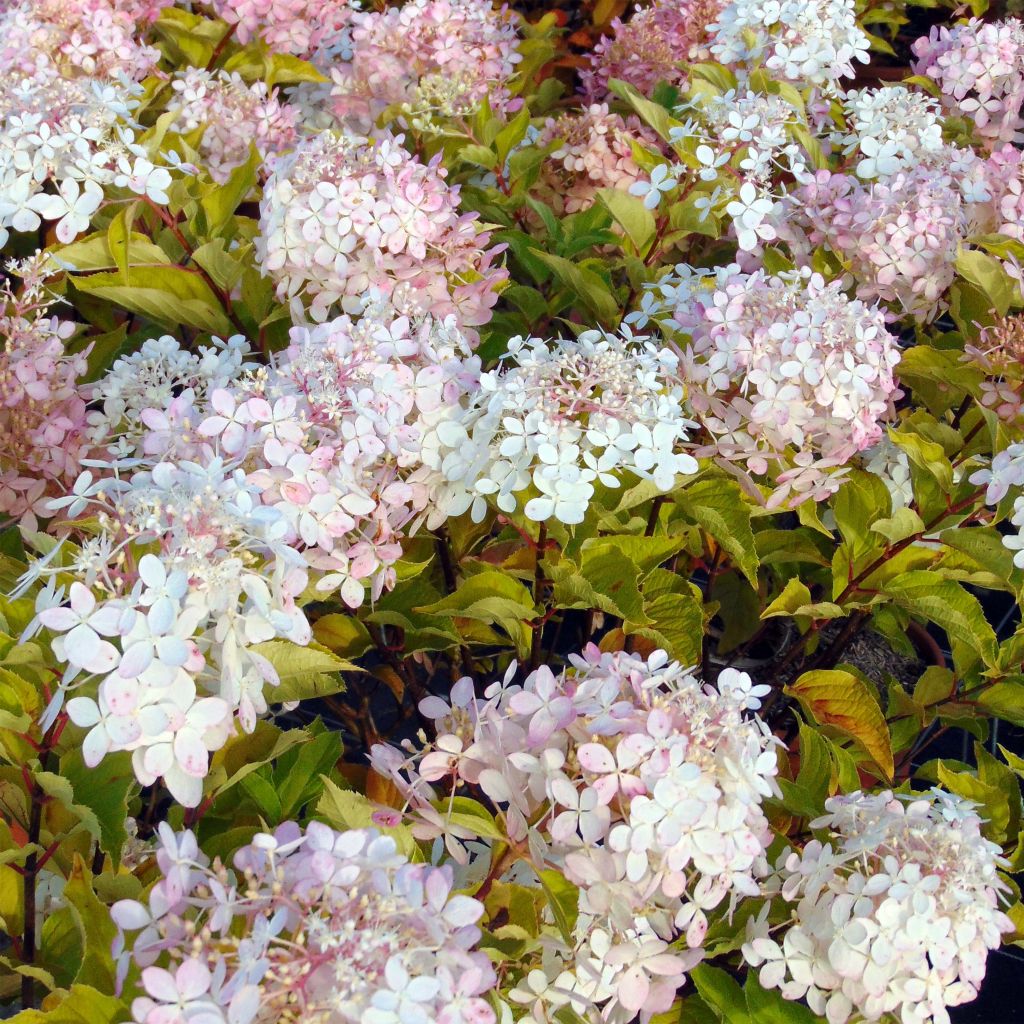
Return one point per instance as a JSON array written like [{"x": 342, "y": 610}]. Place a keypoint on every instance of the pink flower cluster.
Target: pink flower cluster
[
  {"x": 42, "y": 411},
  {"x": 235, "y": 116},
  {"x": 894, "y": 916},
  {"x": 651, "y": 47},
  {"x": 311, "y": 925},
  {"x": 784, "y": 362},
  {"x": 342, "y": 214},
  {"x": 430, "y": 59},
  {"x": 94, "y": 38},
  {"x": 979, "y": 67},
  {"x": 593, "y": 149},
  {"x": 640, "y": 783},
  {"x": 899, "y": 235},
  {"x": 299, "y": 27}
]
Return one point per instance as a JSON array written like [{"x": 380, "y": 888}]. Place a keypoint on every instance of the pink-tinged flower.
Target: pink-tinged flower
[
  {"x": 175, "y": 998},
  {"x": 432, "y": 59},
  {"x": 545, "y": 705},
  {"x": 342, "y": 215},
  {"x": 83, "y": 622},
  {"x": 641, "y": 785},
  {"x": 614, "y": 769},
  {"x": 654, "y": 45},
  {"x": 979, "y": 68},
  {"x": 332, "y": 923}
]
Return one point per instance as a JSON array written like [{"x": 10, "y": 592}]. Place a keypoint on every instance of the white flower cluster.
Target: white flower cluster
[
  {"x": 152, "y": 378},
  {"x": 68, "y": 73},
  {"x": 560, "y": 418},
  {"x": 892, "y": 128},
  {"x": 761, "y": 124},
  {"x": 221, "y": 485},
  {"x": 895, "y": 915},
  {"x": 640, "y": 783},
  {"x": 806, "y": 41},
  {"x": 312, "y": 925}
]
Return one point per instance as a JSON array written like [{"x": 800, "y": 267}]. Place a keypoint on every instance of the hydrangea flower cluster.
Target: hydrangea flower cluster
[
  {"x": 42, "y": 410},
  {"x": 638, "y": 781},
  {"x": 593, "y": 149},
  {"x": 900, "y": 235},
  {"x": 236, "y": 115},
  {"x": 895, "y": 915},
  {"x": 758, "y": 127},
  {"x": 312, "y": 924},
  {"x": 979, "y": 68},
  {"x": 68, "y": 73},
  {"x": 245, "y": 479},
  {"x": 891, "y": 129},
  {"x": 304, "y": 28},
  {"x": 779, "y": 363},
  {"x": 430, "y": 59},
  {"x": 650, "y": 47},
  {"x": 812, "y": 42},
  {"x": 556, "y": 420},
  {"x": 356, "y": 402},
  {"x": 999, "y": 351},
  {"x": 341, "y": 213},
  {"x": 77, "y": 38}
]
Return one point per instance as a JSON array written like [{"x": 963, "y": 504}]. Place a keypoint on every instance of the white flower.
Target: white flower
[
  {"x": 748, "y": 212},
  {"x": 74, "y": 206},
  {"x": 661, "y": 182}
]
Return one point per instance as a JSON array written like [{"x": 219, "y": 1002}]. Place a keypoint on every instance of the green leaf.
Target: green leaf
[
  {"x": 305, "y": 672},
  {"x": 170, "y": 296},
  {"x": 590, "y": 288},
  {"x": 677, "y": 624},
  {"x": 82, "y": 1005},
  {"x": 465, "y": 813},
  {"x": 345, "y": 809},
  {"x": 303, "y": 777},
  {"x": 766, "y": 1006},
  {"x": 630, "y": 214},
  {"x": 948, "y": 605},
  {"x": 794, "y": 595},
  {"x": 222, "y": 201},
  {"x": 717, "y": 506},
  {"x": 93, "y": 252},
  {"x": 119, "y": 233},
  {"x": 97, "y": 929},
  {"x": 651, "y": 113},
  {"x": 903, "y": 523},
  {"x": 721, "y": 992},
  {"x": 1004, "y": 700},
  {"x": 343, "y": 634},
  {"x": 494, "y": 598},
  {"x": 104, "y": 789},
  {"x": 845, "y": 701},
  {"x": 563, "y": 898},
  {"x": 284, "y": 69},
  {"x": 986, "y": 273},
  {"x": 994, "y": 809}
]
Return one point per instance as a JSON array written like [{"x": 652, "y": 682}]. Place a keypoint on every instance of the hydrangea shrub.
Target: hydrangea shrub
[{"x": 452, "y": 460}]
